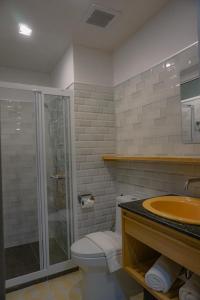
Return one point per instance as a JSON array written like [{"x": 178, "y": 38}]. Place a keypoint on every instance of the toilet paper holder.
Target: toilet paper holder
[{"x": 84, "y": 197}]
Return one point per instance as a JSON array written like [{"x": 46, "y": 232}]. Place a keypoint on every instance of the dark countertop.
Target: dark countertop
[{"x": 137, "y": 208}]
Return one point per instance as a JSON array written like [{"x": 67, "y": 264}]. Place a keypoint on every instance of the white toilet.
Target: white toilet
[{"x": 98, "y": 283}]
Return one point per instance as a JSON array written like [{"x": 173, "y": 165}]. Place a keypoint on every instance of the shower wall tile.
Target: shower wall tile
[
  {"x": 95, "y": 136},
  {"x": 18, "y": 173},
  {"x": 56, "y": 189}
]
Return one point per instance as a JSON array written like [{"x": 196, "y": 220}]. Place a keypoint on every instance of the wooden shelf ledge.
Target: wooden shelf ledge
[
  {"x": 156, "y": 159},
  {"x": 138, "y": 273}
]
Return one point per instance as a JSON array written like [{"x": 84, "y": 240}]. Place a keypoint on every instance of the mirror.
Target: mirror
[{"x": 190, "y": 96}]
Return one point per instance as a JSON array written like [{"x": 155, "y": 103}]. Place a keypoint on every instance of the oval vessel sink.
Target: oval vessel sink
[{"x": 178, "y": 208}]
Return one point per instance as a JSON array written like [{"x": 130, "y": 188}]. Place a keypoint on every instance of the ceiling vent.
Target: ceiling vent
[{"x": 100, "y": 16}]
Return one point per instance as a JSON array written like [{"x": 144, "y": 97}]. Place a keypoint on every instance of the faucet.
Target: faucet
[{"x": 191, "y": 180}]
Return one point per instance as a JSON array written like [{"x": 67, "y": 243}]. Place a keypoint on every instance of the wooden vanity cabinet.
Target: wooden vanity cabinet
[{"x": 143, "y": 242}]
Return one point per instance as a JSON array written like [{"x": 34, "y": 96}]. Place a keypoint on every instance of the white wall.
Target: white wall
[
  {"x": 170, "y": 31},
  {"x": 63, "y": 74},
  {"x": 83, "y": 65},
  {"x": 24, "y": 77},
  {"x": 173, "y": 29},
  {"x": 92, "y": 66}
]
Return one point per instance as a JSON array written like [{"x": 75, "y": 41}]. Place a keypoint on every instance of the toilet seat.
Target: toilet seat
[{"x": 86, "y": 248}]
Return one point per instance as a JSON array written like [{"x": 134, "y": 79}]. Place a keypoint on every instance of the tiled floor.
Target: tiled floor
[
  {"x": 24, "y": 259},
  {"x": 62, "y": 288}
]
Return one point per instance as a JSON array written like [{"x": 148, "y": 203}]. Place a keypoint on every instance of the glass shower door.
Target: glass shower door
[
  {"x": 38, "y": 190},
  {"x": 57, "y": 145},
  {"x": 22, "y": 235}
]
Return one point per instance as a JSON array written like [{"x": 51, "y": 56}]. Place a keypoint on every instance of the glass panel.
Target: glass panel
[
  {"x": 20, "y": 206},
  {"x": 57, "y": 181}
]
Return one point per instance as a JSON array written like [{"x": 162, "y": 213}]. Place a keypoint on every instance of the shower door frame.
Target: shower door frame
[{"x": 40, "y": 92}]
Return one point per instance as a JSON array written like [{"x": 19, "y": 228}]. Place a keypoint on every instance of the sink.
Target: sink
[{"x": 178, "y": 208}]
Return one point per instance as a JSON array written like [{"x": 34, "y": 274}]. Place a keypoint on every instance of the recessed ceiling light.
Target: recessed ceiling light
[
  {"x": 168, "y": 65},
  {"x": 25, "y": 29}
]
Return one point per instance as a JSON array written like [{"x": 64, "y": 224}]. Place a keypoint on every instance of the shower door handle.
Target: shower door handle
[{"x": 57, "y": 177}]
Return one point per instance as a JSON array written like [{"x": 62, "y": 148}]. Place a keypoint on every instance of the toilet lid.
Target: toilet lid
[{"x": 86, "y": 248}]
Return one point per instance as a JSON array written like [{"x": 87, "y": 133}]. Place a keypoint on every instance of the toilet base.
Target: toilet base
[{"x": 100, "y": 285}]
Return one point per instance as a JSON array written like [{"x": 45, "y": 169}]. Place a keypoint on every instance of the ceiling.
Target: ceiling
[{"x": 57, "y": 23}]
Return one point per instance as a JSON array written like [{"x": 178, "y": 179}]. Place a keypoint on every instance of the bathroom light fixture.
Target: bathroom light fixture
[
  {"x": 25, "y": 29},
  {"x": 168, "y": 65}
]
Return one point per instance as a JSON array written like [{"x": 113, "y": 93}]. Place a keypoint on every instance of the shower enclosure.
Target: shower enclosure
[{"x": 37, "y": 181}]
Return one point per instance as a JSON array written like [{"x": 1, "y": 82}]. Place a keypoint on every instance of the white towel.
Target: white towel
[
  {"x": 191, "y": 289},
  {"x": 111, "y": 245},
  {"x": 162, "y": 274}
]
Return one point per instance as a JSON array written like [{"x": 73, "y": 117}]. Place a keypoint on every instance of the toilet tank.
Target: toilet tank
[{"x": 121, "y": 199}]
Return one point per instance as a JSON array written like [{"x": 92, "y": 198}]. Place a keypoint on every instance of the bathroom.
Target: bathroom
[{"x": 99, "y": 112}]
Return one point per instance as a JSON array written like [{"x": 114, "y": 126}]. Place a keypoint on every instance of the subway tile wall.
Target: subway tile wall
[
  {"x": 149, "y": 179},
  {"x": 148, "y": 122},
  {"x": 148, "y": 110},
  {"x": 95, "y": 136}
]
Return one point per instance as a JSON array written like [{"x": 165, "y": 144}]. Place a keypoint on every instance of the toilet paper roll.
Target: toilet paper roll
[{"x": 87, "y": 201}]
